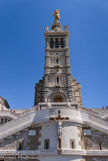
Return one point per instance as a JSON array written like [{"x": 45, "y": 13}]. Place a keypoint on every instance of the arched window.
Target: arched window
[
  {"x": 51, "y": 43},
  {"x": 62, "y": 43},
  {"x": 72, "y": 144},
  {"x": 57, "y": 61},
  {"x": 100, "y": 146},
  {"x": 58, "y": 98},
  {"x": 46, "y": 144},
  {"x": 56, "y": 43},
  {"x": 1, "y": 121},
  {"x": 57, "y": 79},
  {"x": 20, "y": 146}
]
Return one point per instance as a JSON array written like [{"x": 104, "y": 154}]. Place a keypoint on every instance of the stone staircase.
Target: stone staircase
[
  {"x": 28, "y": 111},
  {"x": 8, "y": 113},
  {"x": 104, "y": 114},
  {"x": 95, "y": 122},
  {"x": 16, "y": 125},
  {"x": 22, "y": 122}
]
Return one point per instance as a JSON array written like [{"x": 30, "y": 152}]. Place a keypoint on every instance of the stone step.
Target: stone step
[{"x": 16, "y": 125}]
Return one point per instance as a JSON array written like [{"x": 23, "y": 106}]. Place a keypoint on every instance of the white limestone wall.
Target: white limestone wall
[
  {"x": 60, "y": 158},
  {"x": 71, "y": 113},
  {"x": 70, "y": 131},
  {"x": 42, "y": 116},
  {"x": 49, "y": 131}
]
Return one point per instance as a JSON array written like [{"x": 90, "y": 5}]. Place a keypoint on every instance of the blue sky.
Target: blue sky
[{"x": 22, "y": 26}]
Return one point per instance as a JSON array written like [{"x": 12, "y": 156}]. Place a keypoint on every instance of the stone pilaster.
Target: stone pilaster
[{"x": 69, "y": 77}]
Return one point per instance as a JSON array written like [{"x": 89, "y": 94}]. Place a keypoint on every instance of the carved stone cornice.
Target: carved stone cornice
[
  {"x": 57, "y": 49},
  {"x": 85, "y": 152},
  {"x": 57, "y": 33}
]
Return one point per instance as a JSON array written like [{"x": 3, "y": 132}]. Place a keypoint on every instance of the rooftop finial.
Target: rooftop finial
[{"x": 56, "y": 15}]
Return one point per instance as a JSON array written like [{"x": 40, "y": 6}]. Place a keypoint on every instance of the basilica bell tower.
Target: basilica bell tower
[{"x": 57, "y": 84}]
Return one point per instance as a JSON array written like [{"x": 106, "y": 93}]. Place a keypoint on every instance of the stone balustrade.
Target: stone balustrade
[
  {"x": 30, "y": 152},
  {"x": 8, "y": 113},
  {"x": 85, "y": 152},
  {"x": 104, "y": 114},
  {"x": 55, "y": 152},
  {"x": 16, "y": 125}
]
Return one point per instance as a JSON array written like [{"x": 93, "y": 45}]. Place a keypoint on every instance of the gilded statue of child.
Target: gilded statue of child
[{"x": 56, "y": 15}]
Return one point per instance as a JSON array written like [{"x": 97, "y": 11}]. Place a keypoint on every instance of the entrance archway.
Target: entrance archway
[{"x": 58, "y": 98}]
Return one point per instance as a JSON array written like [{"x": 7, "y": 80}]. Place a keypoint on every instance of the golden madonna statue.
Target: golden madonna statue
[{"x": 56, "y": 15}]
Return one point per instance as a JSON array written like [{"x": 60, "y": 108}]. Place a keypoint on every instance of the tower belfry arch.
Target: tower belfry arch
[{"x": 57, "y": 70}]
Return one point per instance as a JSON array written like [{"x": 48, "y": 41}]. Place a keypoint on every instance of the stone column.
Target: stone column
[
  {"x": 66, "y": 41},
  {"x": 47, "y": 42}
]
